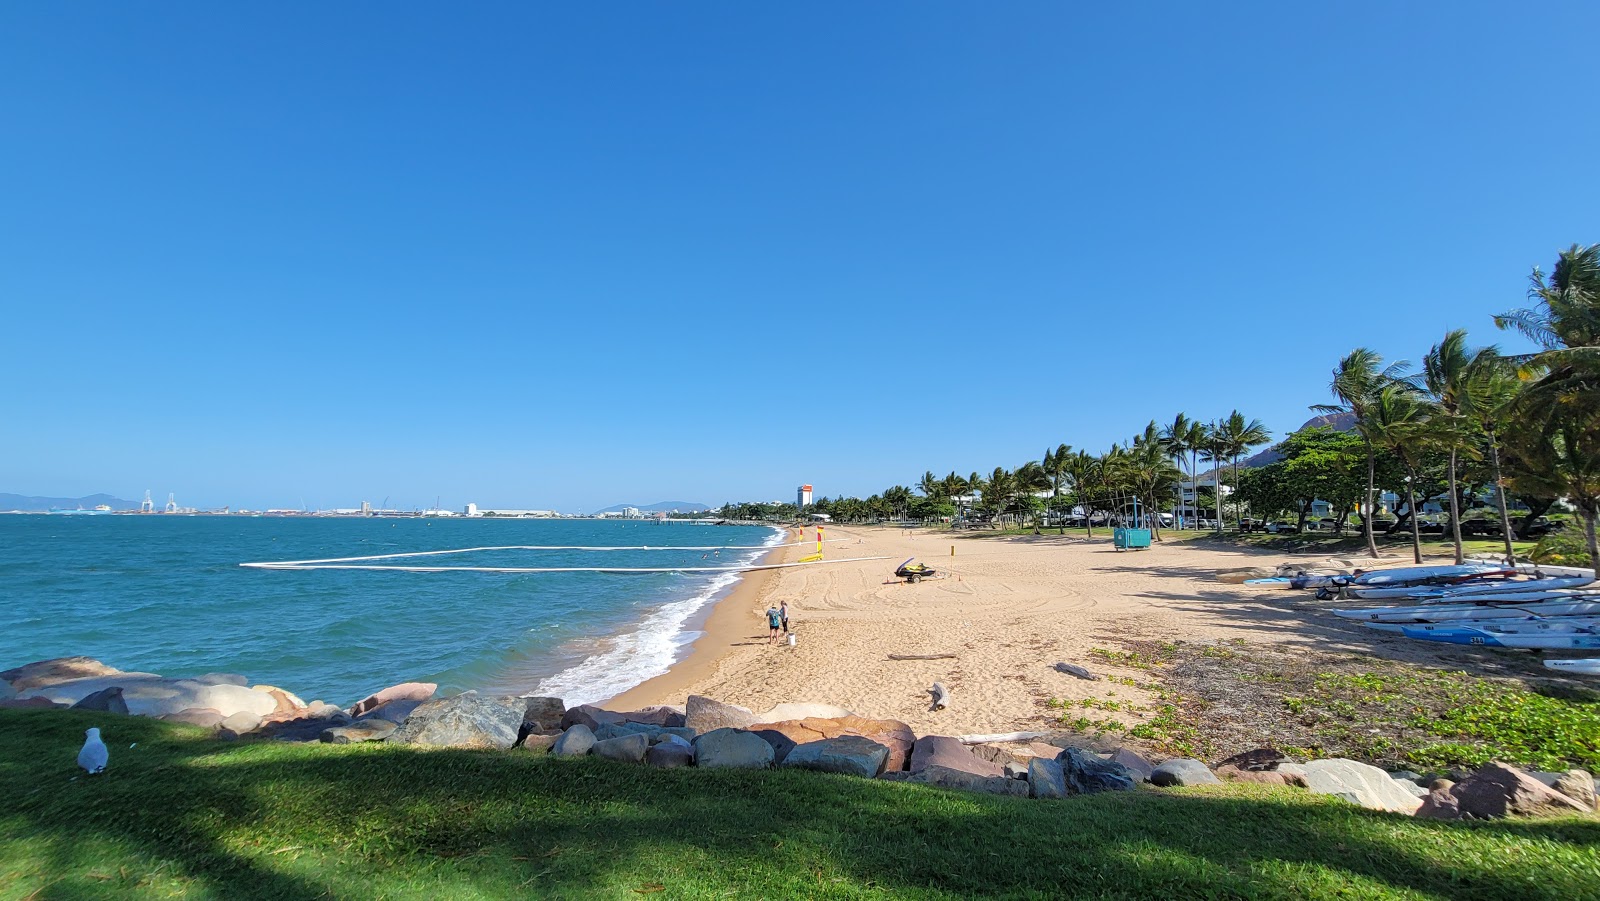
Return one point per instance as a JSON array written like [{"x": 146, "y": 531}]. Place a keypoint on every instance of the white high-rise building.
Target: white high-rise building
[{"x": 803, "y": 497}]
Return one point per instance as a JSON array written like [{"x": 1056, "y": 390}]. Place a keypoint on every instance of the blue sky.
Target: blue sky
[{"x": 568, "y": 257}]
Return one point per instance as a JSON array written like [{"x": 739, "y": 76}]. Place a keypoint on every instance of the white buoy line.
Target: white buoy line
[
  {"x": 381, "y": 567},
  {"x": 280, "y": 564}
]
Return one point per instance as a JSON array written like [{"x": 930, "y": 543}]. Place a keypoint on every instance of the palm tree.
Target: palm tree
[
  {"x": 1357, "y": 381},
  {"x": 1082, "y": 469},
  {"x": 1564, "y": 401},
  {"x": 1449, "y": 371},
  {"x": 1054, "y": 467},
  {"x": 1214, "y": 447},
  {"x": 929, "y": 486},
  {"x": 1240, "y": 437},
  {"x": 1150, "y": 474},
  {"x": 1026, "y": 482},
  {"x": 1398, "y": 420},
  {"x": 1492, "y": 386},
  {"x": 1175, "y": 438}
]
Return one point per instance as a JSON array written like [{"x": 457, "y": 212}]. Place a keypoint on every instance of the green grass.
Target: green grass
[{"x": 183, "y": 815}]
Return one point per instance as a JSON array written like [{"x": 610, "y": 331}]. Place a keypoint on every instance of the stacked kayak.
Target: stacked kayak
[
  {"x": 1574, "y": 604},
  {"x": 1491, "y": 637},
  {"x": 1589, "y": 667},
  {"x": 1507, "y": 624}
]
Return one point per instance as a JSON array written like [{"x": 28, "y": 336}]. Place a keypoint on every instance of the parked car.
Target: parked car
[{"x": 1282, "y": 528}]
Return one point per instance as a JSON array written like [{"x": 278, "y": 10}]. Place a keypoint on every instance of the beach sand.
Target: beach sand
[{"x": 1009, "y": 610}]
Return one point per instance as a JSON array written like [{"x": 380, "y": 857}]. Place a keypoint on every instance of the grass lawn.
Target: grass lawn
[{"x": 183, "y": 815}]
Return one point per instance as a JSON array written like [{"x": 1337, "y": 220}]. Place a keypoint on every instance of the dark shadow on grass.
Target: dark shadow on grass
[{"x": 395, "y": 820}]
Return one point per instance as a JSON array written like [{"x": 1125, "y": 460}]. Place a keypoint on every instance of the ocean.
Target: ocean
[{"x": 165, "y": 594}]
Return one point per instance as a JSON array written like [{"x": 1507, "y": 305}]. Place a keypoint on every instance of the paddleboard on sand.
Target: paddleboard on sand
[{"x": 1589, "y": 667}]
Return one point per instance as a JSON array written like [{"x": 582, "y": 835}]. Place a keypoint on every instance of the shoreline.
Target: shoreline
[{"x": 729, "y": 624}]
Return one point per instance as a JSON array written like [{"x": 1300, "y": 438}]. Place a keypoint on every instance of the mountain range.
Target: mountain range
[{"x": 29, "y": 504}]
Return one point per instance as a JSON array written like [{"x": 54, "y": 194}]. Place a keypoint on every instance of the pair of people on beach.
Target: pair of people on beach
[{"x": 777, "y": 622}]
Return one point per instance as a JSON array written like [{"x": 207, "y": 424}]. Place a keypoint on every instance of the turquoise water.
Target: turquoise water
[{"x": 165, "y": 594}]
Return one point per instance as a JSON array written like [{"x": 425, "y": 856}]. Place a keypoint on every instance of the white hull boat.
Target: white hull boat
[
  {"x": 1442, "y": 613},
  {"x": 1508, "y": 624},
  {"x": 1589, "y": 667},
  {"x": 1472, "y": 590},
  {"x": 1487, "y": 637}
]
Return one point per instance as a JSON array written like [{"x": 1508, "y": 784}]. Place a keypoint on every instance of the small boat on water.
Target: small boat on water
[
  {"x": 1507, "y": 624},
  {"x": 1489, "y": 637},
  {"x": 1590, "y": 667}
]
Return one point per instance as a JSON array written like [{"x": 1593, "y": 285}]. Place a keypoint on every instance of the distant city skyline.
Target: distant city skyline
[{"x": 569, "y": 257}]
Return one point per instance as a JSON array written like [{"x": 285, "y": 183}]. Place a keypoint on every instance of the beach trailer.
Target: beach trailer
[{"x": 1129, "y": 538}]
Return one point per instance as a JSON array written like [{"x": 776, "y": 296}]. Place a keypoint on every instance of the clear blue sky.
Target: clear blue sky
[{"x": 568, "y": 256}]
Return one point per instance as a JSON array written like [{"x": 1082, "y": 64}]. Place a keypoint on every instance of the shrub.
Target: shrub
[{"x": 1564, "y": 547}]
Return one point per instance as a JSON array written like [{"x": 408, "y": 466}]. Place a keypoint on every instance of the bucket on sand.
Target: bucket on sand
[{"x": 791, "y": 639}]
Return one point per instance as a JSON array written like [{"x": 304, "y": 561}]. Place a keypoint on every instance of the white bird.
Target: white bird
[{"x": 94, "y": 755}]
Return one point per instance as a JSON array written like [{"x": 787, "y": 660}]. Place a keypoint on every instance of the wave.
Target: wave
[{"x": 633, "y": 658}]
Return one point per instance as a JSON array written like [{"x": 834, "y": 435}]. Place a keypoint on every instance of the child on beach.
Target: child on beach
[
  {"x": 774, "y": 625},
  {"x": 783, "y": 613}
]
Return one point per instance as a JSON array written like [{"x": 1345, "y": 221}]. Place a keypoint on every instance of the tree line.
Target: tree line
[{"x": 1471, "y": 421}]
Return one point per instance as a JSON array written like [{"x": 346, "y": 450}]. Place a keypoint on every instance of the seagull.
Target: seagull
[{"x": 94, "y": 755}]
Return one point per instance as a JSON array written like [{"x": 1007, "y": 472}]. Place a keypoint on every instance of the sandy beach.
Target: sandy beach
[{"x": 1009, "y": 610}]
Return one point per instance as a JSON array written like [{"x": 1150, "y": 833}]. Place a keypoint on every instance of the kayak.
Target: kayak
[
  {"x": 1475, "y": 588},
  {"x": 1419, "y": 574},
  {"x": 1508, "y": 624},
  {"x": 1442, "y": 613},
  {"x": 1590, "y": 667},
  {"x": 1506, "y": 639}
]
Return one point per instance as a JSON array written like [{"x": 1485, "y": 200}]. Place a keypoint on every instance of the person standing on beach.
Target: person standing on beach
[
  {"x": 774, "y": 625},
  {"x": 783, "y": 614}
]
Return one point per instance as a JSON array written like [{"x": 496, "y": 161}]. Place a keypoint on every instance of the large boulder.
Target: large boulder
[
  {"x": 538, "y": 741},
  {"x": 575, "y": 742},
  {"x": 849, "y": 754},
  {"x": 1183, "y": 771},
  {"x": 467, "y": 720},
  {"x": 669, "y": 755},
  {"x": 1046, "y": 778},
  {"x": 804, "y": 710},
  {"x": 372, "y": 729},
  {"x": 1407, "y": 785},
  {"x": 950, "y": 753},
  {"x": 1440, "y": 804},
  {"x": 704, "y": 714},
  {"x": 660, "y": 715},
  {"x": 405, "y": 691},
  {"x": 393, "y": 712},
  {"x": 1358, "y": 783},
  {"x": 223, "y": 679},
  {"x": 1498, "y": 790},
  {"x": 237, "y": 724},
  {"x": 892, "y": 734},
  {"x": 1232, "y": 773},
  {"x": 1086, "y": 773},
  {"x": 588, "y": 715},
  {"x": 307, "y": 724},
  {"x": 1577, "y": 785},
  {"x": 1135, "y": 762},
  {"x": 287, "y": 702},
  {"x": 732, "y": 748},
  {"x": 28, "y": 704},
  {"x": 948, "y": 778},
  {"x": 626, "y": 748},
  {"x": 608, "y": 731},
  {"x": 44, "y": 673},
  {"x": 106, "y": 699},
  {"x": 151, "y": 695},
  {"x": 543, "y": 715}
]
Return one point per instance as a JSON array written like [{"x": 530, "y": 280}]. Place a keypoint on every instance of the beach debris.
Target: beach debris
[
  {"x": 1183, "y": 771},
  {"x": 922, "y": 656},
  {"x": 852, "y": 755},
  {"x": 1072, "y": 669},
  {"x": 704, "y": 714},
  {"x": 941, "y": 696},
  {"x": 94, "y": 755},
  {"x": 1046, "y": 778},
  {"x": 732, "y": 749}
]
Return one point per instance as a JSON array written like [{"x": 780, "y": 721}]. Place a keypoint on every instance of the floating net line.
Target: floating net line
[
  {"x": 385, "y": 567},
  {"x": 307, "y": 564}
]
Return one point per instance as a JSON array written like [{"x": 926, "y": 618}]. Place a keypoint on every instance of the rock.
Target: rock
[
  {"x": 538, "y": 741},
  {"x": 575, "y": 742},
  {"x": 1439, "y": 805},
  {"x": 1256, "y": 760},
  {"x": 1359, "y": 784},
  {"x": 950, "y": 753},
  {"x": 802, "y": 711},
  {"x": 849, "y": 754},
  {"x": 393, "y": 712},
  {"x": 1259, "y": 777},
  {"x": 682, "y": 733},
  {"x": 1072, "y": 669},
  {"x": 1498, "y": 790},
  {"x": 151, "y": 695},
  {"x": 1031, "y": 749},
  {"x": 1414, "y": 789},
  {"x": 1293, "y": 773},
  {"x": 947, "y": 778},
  {"x": 1016, "y": 770},
  {"x": 405, "y": 691},
  {"x": 892, "y": 734},
  {"x": 237, "y": 724},
  {"x": 307, "y": 724},
  {"x": 1577, "y": 785},
  {"x": 26, "y": 703},
  {"x": 363, "y": 730},
  {"x": 467, "y": 720},
  {"x": 656, "y": 716},
  {"x": 626, "y": 748},
  {"x": 1183, "y": 771},
  {"x": 704, "y": 714},
  {"x": 44, "y": 673},
  {"x": 1407, "y": 775},
  {"x": 6, "y": 691},
  {"x": 669, "y": 755},
  {"x": 1441, "y": 785},
  {"x": 544, "y": 715},
  {"x": 287, "y": 702},
  {"x": 673, "y": 738},
  {"x": 203, "y": 717},
  {"x": 1046, "y": 779},
  {"x": 1239, "y": 575},
  {"x": 590, "y": 716},
  {"x": 1135, "y": 763},
  {"x": 1087, "y": 774},
  {"x": 107, "y": 699},
  {"x": 731, "y": 748},
  {"x": 223, "y": 679},
  {"x": 608, "y": 731}
]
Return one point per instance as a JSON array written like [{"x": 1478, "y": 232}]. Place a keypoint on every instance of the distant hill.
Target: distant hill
[
  {"x": 40, "y": 504},
  {"x": 663, "y": 507},
  {"x": 1339, "y": 422}
]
